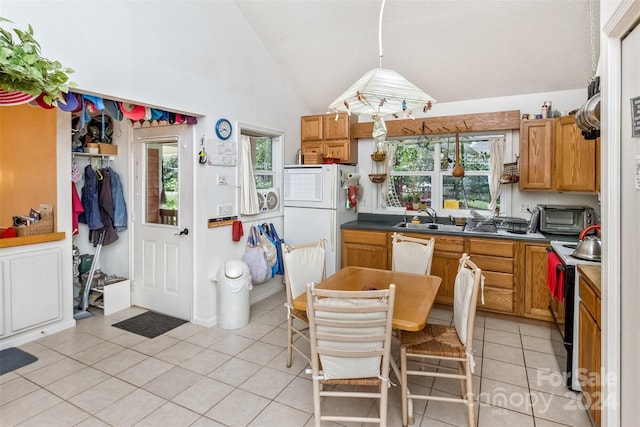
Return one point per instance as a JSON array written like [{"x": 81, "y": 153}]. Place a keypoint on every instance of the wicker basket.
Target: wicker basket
[
  {"x": 45, "y": 225},
  {"x": 378, "y": 178},
  {"x": 510, "y": 173},
  {"x": 378, "y": 156}
]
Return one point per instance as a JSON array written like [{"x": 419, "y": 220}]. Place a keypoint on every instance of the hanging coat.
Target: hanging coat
[
  {"x": 119, "y": 204},
  {"x": 76, "y": 208},
  {"x": 105, "y": 202},
  {"x": 91, "y": 214}
]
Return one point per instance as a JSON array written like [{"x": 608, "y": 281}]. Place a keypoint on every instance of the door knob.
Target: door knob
[{"x": 183, "y": 232}]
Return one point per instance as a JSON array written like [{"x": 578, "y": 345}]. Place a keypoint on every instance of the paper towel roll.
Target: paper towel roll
[{"x": 353, "y": 175}]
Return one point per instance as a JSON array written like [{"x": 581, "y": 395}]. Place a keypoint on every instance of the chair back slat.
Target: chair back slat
[
  {"x": 304, "y": 263},
  {"x": 465, "y": 298},
  {"x": 350, "y": 332},
  {"x": 411, "y": 254}
]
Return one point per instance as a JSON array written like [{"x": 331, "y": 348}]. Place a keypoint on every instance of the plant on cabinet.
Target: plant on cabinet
[{"x": 23, "y": 69}]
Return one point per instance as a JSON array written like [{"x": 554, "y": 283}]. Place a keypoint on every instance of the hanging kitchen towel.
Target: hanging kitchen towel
[
  {"x": 352, "y": 196},
  {"x": 236, "y": 231},
  {"x": 555, "y": 276}
]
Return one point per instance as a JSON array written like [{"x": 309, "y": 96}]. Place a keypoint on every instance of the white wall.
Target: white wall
[
  {"x": 196, "y": 57},
  {"x": 531, "y": 103}
]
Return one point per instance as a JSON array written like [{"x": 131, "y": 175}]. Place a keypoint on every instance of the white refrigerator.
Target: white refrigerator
[{"x": 315, "y": 205}]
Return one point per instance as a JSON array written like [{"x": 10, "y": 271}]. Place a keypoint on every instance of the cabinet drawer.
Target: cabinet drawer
[
  {"x": 493, "y": 263},
  {"x": 590, "y": 300},
  {"x": 498, "y": 280},
  {"x": 449, "y": 244},
  {"x": 496, "y": 299},
  {"x": 491, "y": 247},
  {"x": 443, "y": 243},
  {"x": 368, "y": 237}
]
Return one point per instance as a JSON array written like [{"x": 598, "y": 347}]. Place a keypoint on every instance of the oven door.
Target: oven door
[{"x": 563, "y": 313}]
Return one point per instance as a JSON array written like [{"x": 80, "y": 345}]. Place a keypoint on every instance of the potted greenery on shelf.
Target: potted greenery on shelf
[{"x": 23, "y": 69}]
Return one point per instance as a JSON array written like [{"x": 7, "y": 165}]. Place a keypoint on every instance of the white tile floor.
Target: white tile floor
[{"x": 96, "y": 375}]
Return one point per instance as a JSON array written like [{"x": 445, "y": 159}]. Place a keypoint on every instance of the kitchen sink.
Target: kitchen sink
[{"x": 429, "y": 226}]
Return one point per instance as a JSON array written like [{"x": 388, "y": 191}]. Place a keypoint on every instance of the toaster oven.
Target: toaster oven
[{"x": 565, "y": 219}]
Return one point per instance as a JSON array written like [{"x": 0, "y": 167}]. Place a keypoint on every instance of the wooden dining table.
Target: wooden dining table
[{"x": 415, "y": 293}]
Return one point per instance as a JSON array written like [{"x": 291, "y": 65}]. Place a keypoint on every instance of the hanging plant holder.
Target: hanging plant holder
[
  {"x": 510, "y": 173},
  {"x": 8, "y": 98}
]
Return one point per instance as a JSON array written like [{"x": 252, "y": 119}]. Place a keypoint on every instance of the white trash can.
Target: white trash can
[{"x": 234, "y": 284}]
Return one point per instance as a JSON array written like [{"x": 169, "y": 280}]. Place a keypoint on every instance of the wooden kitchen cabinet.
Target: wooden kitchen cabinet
[
  {"x": 497, "y": 259},
  {"x": 329, "y": 134},
  {"x": 575, "y": 158},
  {"x": 536, "y": 154},
  {"x": 536, "y": 294},
  {"x": 554, "y": 156},
  {"x": 589, "y": 340},
  {"x": 363, "y": 248}
]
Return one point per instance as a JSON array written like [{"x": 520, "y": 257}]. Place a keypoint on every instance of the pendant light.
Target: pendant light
[{"x": 381, "y": 92}]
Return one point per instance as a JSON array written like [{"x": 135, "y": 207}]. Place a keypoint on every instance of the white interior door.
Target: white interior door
[{"x": 162, "y": 220}]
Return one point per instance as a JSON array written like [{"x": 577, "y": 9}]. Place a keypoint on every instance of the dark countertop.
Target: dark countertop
[{"x": 375, "y": 222}]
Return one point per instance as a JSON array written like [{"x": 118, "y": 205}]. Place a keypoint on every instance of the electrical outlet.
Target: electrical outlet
[
  {"x": 222, "y": 180},
  {"x": 363, "y": 202},
  {"x": 225, "y": 210},
  {"x": 525, "y": 207}
]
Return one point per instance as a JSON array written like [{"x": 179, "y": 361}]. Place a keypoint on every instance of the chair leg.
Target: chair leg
[
  {"x": 469, "y": 395},
  {"x": 384, "y": 395},
  {"x": 289, "y": 341},
  {"x": 403, "y": 386},
  {"x": 463, "y": 386},
  {"x": 317, "y": 387}
]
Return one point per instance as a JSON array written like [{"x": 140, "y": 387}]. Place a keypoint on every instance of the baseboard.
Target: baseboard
[{"x": 266, "y": 289}]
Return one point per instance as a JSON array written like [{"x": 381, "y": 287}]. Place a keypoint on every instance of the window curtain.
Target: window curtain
[
  {"x": 248, "y": 193},
  {"x": 496, "y": 153}
]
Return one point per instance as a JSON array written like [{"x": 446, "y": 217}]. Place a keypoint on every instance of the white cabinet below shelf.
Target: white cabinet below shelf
[
  {"x": 113, "y": 297},
  {"x": 32, "y": 290}
]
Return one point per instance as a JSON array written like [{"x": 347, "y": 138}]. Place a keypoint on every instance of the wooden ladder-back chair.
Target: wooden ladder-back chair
[
  {"x": 411, "y": 254},
  {"x": 304, "y": 263},
  {"x": 439, "y": 342},
  {"x": 350, "y": 335}
]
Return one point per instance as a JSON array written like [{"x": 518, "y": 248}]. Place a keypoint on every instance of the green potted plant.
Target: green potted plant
[{"x": 23, "y": 69}]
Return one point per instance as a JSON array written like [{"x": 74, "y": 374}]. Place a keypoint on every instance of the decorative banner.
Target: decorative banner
[{"x": 635, "y": 117}]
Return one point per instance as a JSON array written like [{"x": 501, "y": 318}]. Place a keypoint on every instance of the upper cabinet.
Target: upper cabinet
[
  {"x": 554, "y": 156},
  {"x": 329, "y": 134}
]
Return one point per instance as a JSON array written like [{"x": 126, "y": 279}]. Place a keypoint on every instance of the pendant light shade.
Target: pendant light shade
[{"x": 381, "y": 92}]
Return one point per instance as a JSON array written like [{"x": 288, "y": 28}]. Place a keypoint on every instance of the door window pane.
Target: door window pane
[{"x": 162, "y": 183}]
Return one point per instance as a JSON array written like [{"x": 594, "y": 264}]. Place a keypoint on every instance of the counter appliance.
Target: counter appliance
[
  {"x": 565, "y": 219},
  {"x": 315, "y": 200}
]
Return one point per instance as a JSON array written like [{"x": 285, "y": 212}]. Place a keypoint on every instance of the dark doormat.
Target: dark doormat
[
  {"x": 13, "y": 358},
  {"x": 149, "y": 324}
]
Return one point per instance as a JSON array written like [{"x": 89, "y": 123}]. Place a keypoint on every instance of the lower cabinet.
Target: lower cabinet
[
  {"x": 496, "y": 258},
  {"x": 589, "y": 348},
  {"x": 365, "y": 249},
  {"x": 537, "y": 296},
  {"x": 31, "y": 290},
  {"x": 515, "y": 272}
]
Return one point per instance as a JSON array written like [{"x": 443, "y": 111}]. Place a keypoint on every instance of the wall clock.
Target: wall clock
[{"x": 223, "y": 129}]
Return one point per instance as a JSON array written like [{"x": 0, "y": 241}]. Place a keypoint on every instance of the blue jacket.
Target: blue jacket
[
  {"x": 119, "y": 204},
  {"x": 91, "y": 214}
]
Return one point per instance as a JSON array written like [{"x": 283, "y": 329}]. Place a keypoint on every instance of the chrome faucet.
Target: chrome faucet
[{"x": 431, "y": 213}]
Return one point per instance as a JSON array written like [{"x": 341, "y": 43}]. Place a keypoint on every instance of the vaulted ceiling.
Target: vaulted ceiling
[{"x": 452, "y": 49}]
